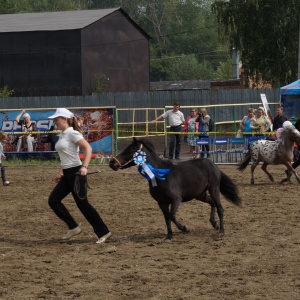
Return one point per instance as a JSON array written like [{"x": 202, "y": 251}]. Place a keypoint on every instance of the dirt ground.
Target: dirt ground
[{"x": 258, "y": 258}]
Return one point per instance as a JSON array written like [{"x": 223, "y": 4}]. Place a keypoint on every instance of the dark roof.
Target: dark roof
[
  {"x": 180, "y": 85},
  {"x": 194, "y": 85},
  {"x": 52, "y": 21}
]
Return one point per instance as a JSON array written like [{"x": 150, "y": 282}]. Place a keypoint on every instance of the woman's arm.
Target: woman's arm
[
  {"x": 185, "y": 128},
  {"x": 268, "y": 124},
  {"x": 87, "y": 149},
  {"x": 59, "y": 176},
  {"x": 19, "y": 115},
  {"x": 253, "y": 124},
  {"x": 205, "y": 120},
  {"x": 242, "y": 124}
]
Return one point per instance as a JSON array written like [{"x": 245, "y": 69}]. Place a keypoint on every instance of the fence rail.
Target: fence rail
[{"x": 226, "y": 118}]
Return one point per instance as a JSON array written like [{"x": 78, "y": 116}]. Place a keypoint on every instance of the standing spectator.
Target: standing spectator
[
  {"x": 67, "y": 147},
  {"x": 52, "y": 137},
  {"x": 191, "y": 126},
  {"x": 296, "y": 162},
  {"x": 175, "y": 119},
  {"x": 261, "y": 124},
  {"x": 3, "y": 138},
  {"x": 203, "y": 120},
  {"x": 25, "y": 142},
  {"x": 279, "y": 119},
  {"x": 246, "y": 122}
]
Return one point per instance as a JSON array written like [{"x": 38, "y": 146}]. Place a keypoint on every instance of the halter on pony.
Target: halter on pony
[{"x": 128, "y": 162}]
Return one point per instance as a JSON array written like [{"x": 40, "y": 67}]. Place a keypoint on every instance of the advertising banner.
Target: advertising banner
[{"x": 97, "y": 127}]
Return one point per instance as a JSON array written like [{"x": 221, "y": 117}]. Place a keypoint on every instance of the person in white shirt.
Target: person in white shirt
[
  {"x": 26, "y": 140},
  {"x": 67, "y": 147},
  {"x": 176, "y": 120}
]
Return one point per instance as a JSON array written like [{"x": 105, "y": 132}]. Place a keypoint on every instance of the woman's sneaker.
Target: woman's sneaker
[
  {"x": 6, "y": 182},
  {"x": 71, "y": 233},
  {"x": 104, "y": 238}
]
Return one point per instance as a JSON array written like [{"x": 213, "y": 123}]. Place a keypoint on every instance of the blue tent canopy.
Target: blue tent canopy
[{"x": 291, "y": 89}]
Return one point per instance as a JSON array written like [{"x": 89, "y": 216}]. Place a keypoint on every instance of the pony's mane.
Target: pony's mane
[
  {"x": 148, "y": 145},
  {"x": 286, "y": 131}
]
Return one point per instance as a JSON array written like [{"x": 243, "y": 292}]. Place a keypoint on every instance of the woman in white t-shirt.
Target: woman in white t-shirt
[{"x": 67, "y": 146}]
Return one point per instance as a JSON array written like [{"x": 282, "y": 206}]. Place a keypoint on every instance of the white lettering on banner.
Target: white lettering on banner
[
  {"x": 43, "y": 125},
  {"x": 7, "y": 125}
]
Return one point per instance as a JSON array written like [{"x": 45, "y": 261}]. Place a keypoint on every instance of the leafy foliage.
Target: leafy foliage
[
  {"x": 265, "y": 33},
  {"x": 100, "y": 83},
  {"x": 187, "y": 68},
  {"x": 5, "y": 92}
]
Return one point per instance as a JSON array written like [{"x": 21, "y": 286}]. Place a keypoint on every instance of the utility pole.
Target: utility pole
[{"x": 235, "y": 64}]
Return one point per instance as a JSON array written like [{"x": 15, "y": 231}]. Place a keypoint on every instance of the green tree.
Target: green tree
[
  {"x": 187, "y": 67},
  {"x": 27, "y": 6},
  {"x": 266, "y": 34},
  {"x": 5, "y": 92},
  {"x": 224, "y": 70}
]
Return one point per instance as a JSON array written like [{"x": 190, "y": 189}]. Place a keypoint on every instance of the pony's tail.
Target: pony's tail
[
  {"x": 243, "y": 165},
  {"x": 229, "y": 190}
]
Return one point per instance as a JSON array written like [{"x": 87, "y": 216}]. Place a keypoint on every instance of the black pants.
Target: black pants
[
  {"x": 175, "y": 141},
  {"x": 61, "y": 190},
  {"x": 2, "y": 173},
  {"x": 296, "y": 163}
]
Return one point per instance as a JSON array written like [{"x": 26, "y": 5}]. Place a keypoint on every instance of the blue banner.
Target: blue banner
[{"x": 97, "y": 127}]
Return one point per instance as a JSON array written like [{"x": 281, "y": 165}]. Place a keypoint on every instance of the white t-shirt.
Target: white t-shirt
[
  {"x": 174, "y": 118},
  {"x": 67, "y": 149}
]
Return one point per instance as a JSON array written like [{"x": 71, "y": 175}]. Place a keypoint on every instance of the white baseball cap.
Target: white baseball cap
[{"x": 62, "y": 112}]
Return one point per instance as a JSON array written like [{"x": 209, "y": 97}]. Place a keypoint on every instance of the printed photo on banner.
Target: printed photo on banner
[{"x": 97, "y": 126}]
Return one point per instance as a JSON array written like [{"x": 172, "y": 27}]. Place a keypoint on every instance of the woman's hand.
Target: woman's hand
[
  {"x": 83, "y": 171},
  {"x": 58, "y": 177}
]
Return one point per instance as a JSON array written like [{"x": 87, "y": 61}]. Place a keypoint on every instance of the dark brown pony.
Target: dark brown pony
[{"x": 198, "y": 179}]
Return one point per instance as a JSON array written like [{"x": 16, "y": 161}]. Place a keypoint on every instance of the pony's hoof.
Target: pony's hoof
[
  {"x": 167, "y": 240},
  {"x": 252, "y": 181},
  {"x": 186, "y": 229},
  {"x": 215, "y": 225},
  {"x": 220, "y": 236},
  {"x": 285, "y": 180}
]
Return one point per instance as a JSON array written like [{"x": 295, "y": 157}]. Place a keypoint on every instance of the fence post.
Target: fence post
[{"x": 115, "y": 132}]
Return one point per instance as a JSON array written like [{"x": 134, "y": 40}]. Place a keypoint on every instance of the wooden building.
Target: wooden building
[{"x": 63, "y": 53}]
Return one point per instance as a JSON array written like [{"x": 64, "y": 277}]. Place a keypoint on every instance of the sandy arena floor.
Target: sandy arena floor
[{"x": 258, "y": 258}]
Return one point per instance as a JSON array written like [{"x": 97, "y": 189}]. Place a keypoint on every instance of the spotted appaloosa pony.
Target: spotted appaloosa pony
[
  {"x": 273, "y": 152},
  {"x": 198, "y": 179}
]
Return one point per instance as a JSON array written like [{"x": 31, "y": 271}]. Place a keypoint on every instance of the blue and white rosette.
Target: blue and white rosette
[{"x": 139, "y": 158}]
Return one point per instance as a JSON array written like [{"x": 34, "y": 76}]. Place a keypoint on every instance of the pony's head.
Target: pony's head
[
  {"x": 125, "y": 158},
  {"x": 291, "y": 133}
]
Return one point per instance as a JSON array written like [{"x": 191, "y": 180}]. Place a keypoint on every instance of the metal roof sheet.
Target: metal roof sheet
[{"x": 52, "y": 21}]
